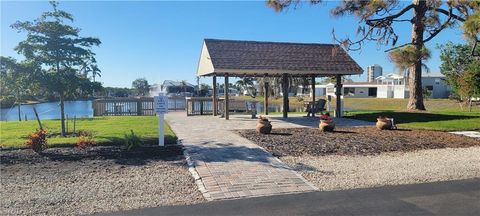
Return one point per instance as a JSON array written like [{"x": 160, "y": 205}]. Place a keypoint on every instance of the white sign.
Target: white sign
[
  {"x": 161, "y": 104},
  {"x": 161, "y": 107}
]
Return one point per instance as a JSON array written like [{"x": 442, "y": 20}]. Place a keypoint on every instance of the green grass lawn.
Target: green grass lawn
[
  {"x": 445, "y": 121},
  {"x": 106, "y": 130},
  {"x": 441, "y": 114}
]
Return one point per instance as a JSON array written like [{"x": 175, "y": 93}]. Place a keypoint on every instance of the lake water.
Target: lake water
[
  {"x": 49, "y": 110},
  {"x": 83, "y": 109}
]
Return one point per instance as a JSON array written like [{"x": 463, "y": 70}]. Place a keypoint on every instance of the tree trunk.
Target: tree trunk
[
  {"x": 285, "y": 95},
  {"x": 415, "y": 101},
  {"x": 19, "y": 111},
  {"x": 470, "y": 104},
  {"x": 62, "y": 113}
]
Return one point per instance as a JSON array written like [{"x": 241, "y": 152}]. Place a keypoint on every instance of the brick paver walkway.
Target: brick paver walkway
[{"x": 231, "y": 166}]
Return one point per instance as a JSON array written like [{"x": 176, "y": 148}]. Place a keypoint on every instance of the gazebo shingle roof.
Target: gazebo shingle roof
[{"x": 233, "y": 56}]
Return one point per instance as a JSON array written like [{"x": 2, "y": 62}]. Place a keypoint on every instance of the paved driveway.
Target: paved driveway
[{"x": 442, "y": 198}]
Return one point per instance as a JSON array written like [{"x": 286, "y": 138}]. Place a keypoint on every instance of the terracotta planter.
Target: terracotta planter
[
  {"x": 384, "y": 124},
  {"x": 327, "y": 125},
  {"x": 263, "y": 127}
]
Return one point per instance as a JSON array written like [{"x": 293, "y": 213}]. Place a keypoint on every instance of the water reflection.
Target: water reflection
[{"x": 49, "y": 110}]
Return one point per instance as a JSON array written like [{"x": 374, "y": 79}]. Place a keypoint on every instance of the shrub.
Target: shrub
[
  {"x": 85, "y": 139},
  {"x": 132, "y": 141},
  {"x": 38, "y": 140}
]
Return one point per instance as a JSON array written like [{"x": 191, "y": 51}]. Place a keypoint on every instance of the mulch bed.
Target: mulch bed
[
  {"x": 353, "y": 141},
  {"x": 113, "y": 153}
]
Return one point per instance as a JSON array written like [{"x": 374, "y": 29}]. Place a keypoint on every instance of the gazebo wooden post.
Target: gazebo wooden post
[
  {"x": 313, "y": 95},
  {"x": 226, "y": 91},
  {"x": 265, "y": 98},
  {"x": 338, "y": 95},
  {"x": 285, "y": 95},
  {"x": 215, "y": 96}
]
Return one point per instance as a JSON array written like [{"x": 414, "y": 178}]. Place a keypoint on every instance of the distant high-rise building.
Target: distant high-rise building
[{"x": 374, "y": 71}]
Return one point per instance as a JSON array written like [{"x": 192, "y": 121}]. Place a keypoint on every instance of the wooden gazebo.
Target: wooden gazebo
[{"x": 234, "y": 58}]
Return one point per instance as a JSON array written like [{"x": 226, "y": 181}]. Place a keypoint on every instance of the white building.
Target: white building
[
  {"x": 388, "y": 86},
  {"x": 374, "y": 71}
]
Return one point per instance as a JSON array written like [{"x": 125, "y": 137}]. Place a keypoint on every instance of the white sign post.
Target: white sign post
[{"x": 161, "y": 107}]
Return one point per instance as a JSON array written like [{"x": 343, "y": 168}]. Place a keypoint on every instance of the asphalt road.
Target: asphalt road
[{"x": 442, "y": 198}]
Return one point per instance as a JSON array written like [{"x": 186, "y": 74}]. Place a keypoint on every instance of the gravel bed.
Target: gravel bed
[
  {"x": 337, "y": 172},
  {"x": 69, "y": 181},
  {"x": 353, "y": 141}
]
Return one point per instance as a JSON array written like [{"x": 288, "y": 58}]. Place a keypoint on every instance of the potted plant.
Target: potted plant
[
  {"x": 326, "y": 123},
  {"x": 263, "y": 125},
  {"x": 384, "y": 123}
]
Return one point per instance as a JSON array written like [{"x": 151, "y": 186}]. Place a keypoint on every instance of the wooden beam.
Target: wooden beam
[
  {"x": 215, "y": 96},
  {"x": 285, "y": 95},
  {"x": 227, "y": 101},
  {"x": 313, "y": 95},
  {"x": 338, "y": 95},
  {"x": 265, "y": 98}
]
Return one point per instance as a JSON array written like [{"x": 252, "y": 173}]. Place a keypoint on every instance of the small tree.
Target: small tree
[
  {"x": 59, "y": 50},
  {"x": 461, "y": 70},
  {"x": 469, "y": 83},
  {"x": 204, "y": 89},
  {"x": 426, "y": 93},
  {"x": 378, "y": 21},
  {"x": 141, "y": 86}
]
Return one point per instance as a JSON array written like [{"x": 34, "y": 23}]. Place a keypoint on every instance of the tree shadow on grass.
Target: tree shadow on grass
[{"x": 409, "y": 117}]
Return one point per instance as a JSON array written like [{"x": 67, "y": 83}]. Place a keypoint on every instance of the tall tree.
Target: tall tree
[
  {"x": 59, "y": 50},
  {"x": 379, "y": 19},
  {"x": 141, "y": 86}
]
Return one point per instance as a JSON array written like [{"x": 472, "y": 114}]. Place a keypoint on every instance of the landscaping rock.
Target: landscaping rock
[{"x": 69, "y": 181}]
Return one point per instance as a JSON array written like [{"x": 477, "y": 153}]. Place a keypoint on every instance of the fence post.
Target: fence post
[
  {"x": 175, "y": 104},
  {"x": 139, "y": 108}
]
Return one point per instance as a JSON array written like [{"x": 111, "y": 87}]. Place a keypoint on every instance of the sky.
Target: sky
[{"x": 162, "y": 40}]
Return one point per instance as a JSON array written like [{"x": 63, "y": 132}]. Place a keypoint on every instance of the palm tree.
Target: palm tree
[
  {"x": 245, "y": 83},
  {"x": 90, "y": 66}
]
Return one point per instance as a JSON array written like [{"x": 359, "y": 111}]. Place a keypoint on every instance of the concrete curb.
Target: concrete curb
[{"x": 193, "y": 171}]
